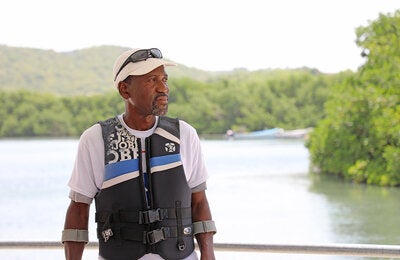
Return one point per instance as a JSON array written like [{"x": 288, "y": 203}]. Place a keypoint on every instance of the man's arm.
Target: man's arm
[
  {"x": 201, "y": 212},
  {"x": 77, "y": 218}
]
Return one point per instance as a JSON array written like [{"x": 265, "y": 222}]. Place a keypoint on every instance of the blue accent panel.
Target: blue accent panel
[
  {"x": 166, "y": 159},
  {"x": 119, "y": 168}
]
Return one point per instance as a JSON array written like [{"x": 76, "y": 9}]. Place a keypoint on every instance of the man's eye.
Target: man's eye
[{"x": 152, "y": 79}]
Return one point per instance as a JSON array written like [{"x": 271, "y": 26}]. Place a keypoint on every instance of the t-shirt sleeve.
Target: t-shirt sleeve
[
  {"x": 192, "y": 156},
  {"x": 88, "y": 171}
]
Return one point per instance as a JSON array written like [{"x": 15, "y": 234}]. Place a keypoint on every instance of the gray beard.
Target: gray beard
[{"x": 158, "y": 111}]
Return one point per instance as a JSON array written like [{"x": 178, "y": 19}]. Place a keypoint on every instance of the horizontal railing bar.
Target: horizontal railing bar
[{"x": 366, "y": 250}]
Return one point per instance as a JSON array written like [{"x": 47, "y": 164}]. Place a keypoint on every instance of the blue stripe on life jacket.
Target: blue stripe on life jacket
[
  {"x": 163, "y": 160},
  {"x": 119, "y": 168}
]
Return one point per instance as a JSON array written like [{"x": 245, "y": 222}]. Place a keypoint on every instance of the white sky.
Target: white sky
[{"x": 208, "y": 34}]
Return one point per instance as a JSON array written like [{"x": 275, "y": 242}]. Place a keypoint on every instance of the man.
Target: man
[{"x": 145, "y": 172}]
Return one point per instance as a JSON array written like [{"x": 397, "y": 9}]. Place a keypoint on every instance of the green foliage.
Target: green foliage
[
  {"x": 359, "y": 138},
  {"x": 60, "y": 94},
  {"x": 81, "y": 72},
  {"x": 240, "y": 101},
  {"x": 252, "y": 100},
  {"x": 28, "y": 114}
]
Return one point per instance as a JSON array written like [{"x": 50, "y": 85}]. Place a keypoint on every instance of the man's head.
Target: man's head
[
  {"x": 141, "y": 79},
  {"x": 137, "y": 62}
]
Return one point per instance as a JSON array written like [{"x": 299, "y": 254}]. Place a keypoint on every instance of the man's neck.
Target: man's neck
[{"x": 140, "y": 123}]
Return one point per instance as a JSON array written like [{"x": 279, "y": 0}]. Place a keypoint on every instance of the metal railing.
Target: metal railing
[{"x": 365, "y": 250}]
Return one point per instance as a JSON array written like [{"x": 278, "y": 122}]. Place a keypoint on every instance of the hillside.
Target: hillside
[
  {"x": 61, "y": 94},
  {"x": 85, "y": 71}
]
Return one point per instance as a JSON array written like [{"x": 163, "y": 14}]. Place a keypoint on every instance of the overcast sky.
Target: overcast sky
[{"x": 208, "y": 34}]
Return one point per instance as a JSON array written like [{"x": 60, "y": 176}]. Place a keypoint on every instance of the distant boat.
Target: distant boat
[
  {"x": 261, "y": 134},
  {"x": 269, "y": 134},
  {"x": 297, "y": 133}
]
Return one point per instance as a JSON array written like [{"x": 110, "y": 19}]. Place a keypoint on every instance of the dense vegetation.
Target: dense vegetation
[
  {"x": 81, "y": 72},
  {"x": 44, "y": 93},
  {"x": 360, "y": 136},
  {"x": 30, "y": 114},
  {"x": 241, "y": 100},
  {"x": 247, "y": 101}
]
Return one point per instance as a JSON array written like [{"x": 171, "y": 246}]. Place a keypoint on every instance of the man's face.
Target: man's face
[{"x": 148, "y": 94}]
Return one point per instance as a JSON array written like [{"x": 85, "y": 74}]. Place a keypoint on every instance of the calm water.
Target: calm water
[{"x": 259, "y": 191}]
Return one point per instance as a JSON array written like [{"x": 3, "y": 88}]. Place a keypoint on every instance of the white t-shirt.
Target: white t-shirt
[{"x": 88, "y": 172}]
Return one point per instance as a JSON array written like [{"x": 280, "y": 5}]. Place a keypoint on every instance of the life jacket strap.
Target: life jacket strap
[
  {"x": 181, "y": 242},
  {"x": 153, "y": 215},
  {"x": 141, "y": 217},
  {"x": 150, "y": 237}
]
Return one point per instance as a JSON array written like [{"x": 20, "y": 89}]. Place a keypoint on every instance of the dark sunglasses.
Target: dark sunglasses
[{"x": 140, "y": 55}]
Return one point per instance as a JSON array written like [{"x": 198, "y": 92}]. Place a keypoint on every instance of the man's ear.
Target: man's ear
[{"x": 123, "y": 89}]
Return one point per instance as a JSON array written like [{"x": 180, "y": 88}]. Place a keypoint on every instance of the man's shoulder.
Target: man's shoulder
[
  {"x": 184, "y": 126},
  {"x": 92, "y": 133},
  {"x": 188, "y": 132}
]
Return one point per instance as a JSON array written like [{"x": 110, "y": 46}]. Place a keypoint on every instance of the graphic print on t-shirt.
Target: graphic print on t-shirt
[
  {"x": 122, "y": 157},
  {"x": 122, "y": 146}
]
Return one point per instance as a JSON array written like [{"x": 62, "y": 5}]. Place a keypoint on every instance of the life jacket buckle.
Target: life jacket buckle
[
  {"x": 157, "y": 235},
  {"x": 150, "y": 216}
]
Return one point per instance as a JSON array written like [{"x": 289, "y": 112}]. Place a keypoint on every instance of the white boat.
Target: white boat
[
  {"x": 297, "y": 133},
  {"x": 261, "y": 134},
  {"x": 269, "y": 134}
]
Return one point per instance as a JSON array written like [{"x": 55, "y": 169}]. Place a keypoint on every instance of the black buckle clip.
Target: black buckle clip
[
  {"x": 150, "y": 216},
  {"x": 156, "y": 235}
]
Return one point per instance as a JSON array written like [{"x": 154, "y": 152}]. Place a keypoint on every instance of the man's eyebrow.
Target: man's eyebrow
[{"x": 156, "y": 75}]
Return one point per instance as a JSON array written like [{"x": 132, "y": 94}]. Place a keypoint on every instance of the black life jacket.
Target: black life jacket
[{"x": 131, "y": 223}]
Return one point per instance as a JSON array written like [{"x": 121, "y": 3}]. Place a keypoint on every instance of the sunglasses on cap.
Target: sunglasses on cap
[{"x": 140, "y": 55}]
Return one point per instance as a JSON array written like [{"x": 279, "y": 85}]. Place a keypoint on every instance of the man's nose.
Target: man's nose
[{"x": 162, "y": 87}]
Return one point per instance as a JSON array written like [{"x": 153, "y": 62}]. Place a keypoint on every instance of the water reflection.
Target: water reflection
[{"x": 360, "y": 213}]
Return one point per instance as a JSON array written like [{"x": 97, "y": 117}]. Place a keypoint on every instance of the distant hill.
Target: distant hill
[{"x": 85, "y": 71}]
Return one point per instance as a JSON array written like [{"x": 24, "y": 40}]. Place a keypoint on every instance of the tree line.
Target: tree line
[{"x": 242, "y": 101}]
